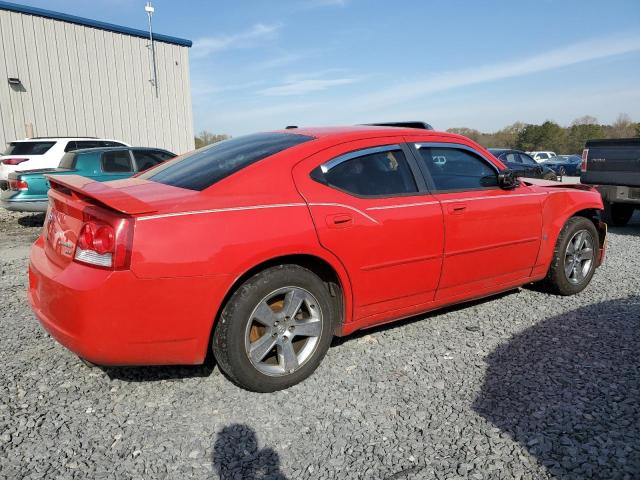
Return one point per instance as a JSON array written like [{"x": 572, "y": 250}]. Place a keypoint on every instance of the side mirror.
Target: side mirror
[{"x": 507, "y": 179}]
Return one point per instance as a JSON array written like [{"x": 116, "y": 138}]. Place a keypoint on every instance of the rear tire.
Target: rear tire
[
  {"x": 275, "y": 329},
  {"x": 617, "y": 214},
  {"x": 574, "y": 258}
]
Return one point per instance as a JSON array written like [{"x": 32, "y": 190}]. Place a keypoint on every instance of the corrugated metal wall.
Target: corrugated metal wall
[{"x": 79, "y": 80}]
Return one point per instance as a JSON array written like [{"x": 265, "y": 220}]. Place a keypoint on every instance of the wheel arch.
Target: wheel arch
[{"x": 329, "y": 270}]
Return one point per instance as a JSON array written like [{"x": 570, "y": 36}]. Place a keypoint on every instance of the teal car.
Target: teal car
[{"x": 27, "y": 190}]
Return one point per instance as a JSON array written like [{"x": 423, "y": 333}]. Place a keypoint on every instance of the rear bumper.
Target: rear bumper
[
  {"x": 115, "y": 318},
  {"x": 25, "y": 205}
]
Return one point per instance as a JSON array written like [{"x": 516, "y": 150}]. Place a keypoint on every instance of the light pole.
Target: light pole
[{"x": 154, "y": 80}]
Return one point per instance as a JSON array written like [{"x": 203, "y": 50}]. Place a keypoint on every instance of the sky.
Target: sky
[{"x": 264, "y": 64}]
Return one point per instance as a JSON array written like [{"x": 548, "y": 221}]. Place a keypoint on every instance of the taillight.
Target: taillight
[
  {"x": 103, "y": 244},
  {"x": 18, "y": 185},
  {"x": 14, "y": 161},
  {"x": 585, "y": 154}
]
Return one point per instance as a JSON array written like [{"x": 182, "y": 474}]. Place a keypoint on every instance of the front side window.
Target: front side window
[
  {"x": 454, "y": 169},
  {"x": 203, "y": 167},
  {"x": 116, "y": 162},
  {"x": 511, "y": 157},
  {"x": 28, "y": 148},
  {"x": 380, "y": 173}
]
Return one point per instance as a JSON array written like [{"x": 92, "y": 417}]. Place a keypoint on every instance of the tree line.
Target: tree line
[
  {"x": 524, "y": 136},
  {"x": 551, "y": 136}
]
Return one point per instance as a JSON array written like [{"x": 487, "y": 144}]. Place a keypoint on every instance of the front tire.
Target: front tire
[
  {"x": 275, "y": 329},
  {"x": 574, "y": 258}
]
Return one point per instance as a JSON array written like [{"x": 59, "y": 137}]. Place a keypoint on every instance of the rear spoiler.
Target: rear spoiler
[
  {"x": 550, "y": 183},
  {"x": 98, "y": 192}
]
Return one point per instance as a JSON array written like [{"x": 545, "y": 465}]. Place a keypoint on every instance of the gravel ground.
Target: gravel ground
[{"x": 524, "y": 385}]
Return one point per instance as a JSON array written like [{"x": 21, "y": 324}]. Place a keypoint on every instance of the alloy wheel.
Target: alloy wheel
[
  {"x": 578, "y": 257},
  {"x": 283, "y": 331}
]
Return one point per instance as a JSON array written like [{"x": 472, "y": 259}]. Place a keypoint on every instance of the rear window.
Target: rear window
[
  {"x": 204, "y": 167},
  {"x": 28, "y": 148}
]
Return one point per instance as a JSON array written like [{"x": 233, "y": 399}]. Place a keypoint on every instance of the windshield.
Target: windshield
[
  {"x": 28, "y": 148},
  {"x": 204, "y": 167}
]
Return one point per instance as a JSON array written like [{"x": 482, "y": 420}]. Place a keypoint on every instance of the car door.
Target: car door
[
  {"x": 492, "y": 236},
  {"x": 513, "y": 162},
  {"x": 532, "y": 169},
  {"x": 115, "y": 165},
  {"x": 371, "y": 209}
]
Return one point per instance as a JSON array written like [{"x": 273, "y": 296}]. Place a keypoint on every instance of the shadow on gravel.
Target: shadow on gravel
[
  {"x": 236, "y": 456},
  {"x": 568, "y": 390},
  {"x": 158, "y": 373},
  {"x": 33, "y": 220},
  {"x": 631, "y": 229},
  {"x": 337, "y": 341}
]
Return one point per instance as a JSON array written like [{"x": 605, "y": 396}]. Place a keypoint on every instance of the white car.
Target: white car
[
  {"x": 44, "y": 152},
  {"x": 542, "y": 156}
]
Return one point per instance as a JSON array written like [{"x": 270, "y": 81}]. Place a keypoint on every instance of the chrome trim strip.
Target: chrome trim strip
[{"x": 328, "y": 165}]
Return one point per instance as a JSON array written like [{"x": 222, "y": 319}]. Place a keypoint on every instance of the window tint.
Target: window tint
[
  {"x": 28, "y": 148},
  {"x": 116, "y": 162},
  {"x": 527, "y": 160},
  {"x": 150, "y": 158},
  {"x": 107, "y": 143},
  {"x": 457, "y": 169},
  {"x": 68, "y": 161},
  {"x": 382, "y": 173},
  {"x": 511, "y": 157},
  {"x": 204, "y": 167}
]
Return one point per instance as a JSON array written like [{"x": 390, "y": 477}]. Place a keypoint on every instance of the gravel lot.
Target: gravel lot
[{"x": 524, "y": 385}]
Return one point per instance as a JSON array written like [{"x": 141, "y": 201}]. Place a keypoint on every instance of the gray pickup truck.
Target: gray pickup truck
[{"x": 614, "y": 167}]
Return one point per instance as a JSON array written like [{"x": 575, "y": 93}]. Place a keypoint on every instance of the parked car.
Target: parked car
[
  {"x": 44, "y": 152},
  {"x": 542, "y": 156},
  {"x": 261, "y": 248},
  {"x": 568, "y": 165},
  {"x": 27, "y": 190},
  {"x": 614, "y": 165},
  {"x": 522, "y": 164}
]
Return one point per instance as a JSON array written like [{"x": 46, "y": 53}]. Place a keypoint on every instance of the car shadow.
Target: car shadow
[
  {"x": 160, "y": 372},
  {"x": 236, "y": 455},
  {"x": 568, "y": 390},
  {"x": 32, "y": 220},
  {"x": 337, "y": 341}
]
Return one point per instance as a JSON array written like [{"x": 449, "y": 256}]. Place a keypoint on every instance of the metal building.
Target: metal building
[{"x": 62, "y": 75}]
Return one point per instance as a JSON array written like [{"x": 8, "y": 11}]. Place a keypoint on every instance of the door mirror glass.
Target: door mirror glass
[{"x": 507, "y": 179}]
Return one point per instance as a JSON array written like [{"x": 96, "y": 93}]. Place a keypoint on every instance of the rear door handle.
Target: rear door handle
[
  {"x": 457, "y": 208},
  {"x": 339, "y": 221}
]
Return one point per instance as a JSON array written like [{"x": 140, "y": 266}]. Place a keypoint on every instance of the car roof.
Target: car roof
[
  {"x": 44, "y": 139},
  {"x": 364, "y": 131}
]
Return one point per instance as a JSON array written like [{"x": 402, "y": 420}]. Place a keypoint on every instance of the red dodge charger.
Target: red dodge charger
[{"x": 264, "y": 247}]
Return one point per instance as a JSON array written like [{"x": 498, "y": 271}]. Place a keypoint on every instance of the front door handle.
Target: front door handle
[
  {"x": 457, "y": 208},
  {"x": 339, "y": 221}
]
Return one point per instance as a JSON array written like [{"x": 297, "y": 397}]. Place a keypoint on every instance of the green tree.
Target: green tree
[
  {"x": 207, "y": 138},
  {"x": 578, "y": 135},
  {"x": 548, "y": 136}
]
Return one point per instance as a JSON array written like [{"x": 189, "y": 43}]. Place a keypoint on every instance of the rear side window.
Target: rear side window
[
  {"x": 511, "y": 157},
  {"x": 116, "y": 162},
  {"x": 28, "y": 148},
  {"x": 78, "y": 144},
  {"x": 527, "y": 160},
  {"x": 68, "y": 161},
  {"x": 204, "y": 167},
  {"x": 145, "y": 159},
  {"x": 385, "y": 173},
  {"x": 454, "y": 169}
]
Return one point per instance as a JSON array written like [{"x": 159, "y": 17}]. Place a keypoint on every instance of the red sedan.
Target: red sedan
[{"x": 264, "y": 247}]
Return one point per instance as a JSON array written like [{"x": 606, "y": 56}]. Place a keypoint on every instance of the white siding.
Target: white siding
[{"x": 79, "y": 80}]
